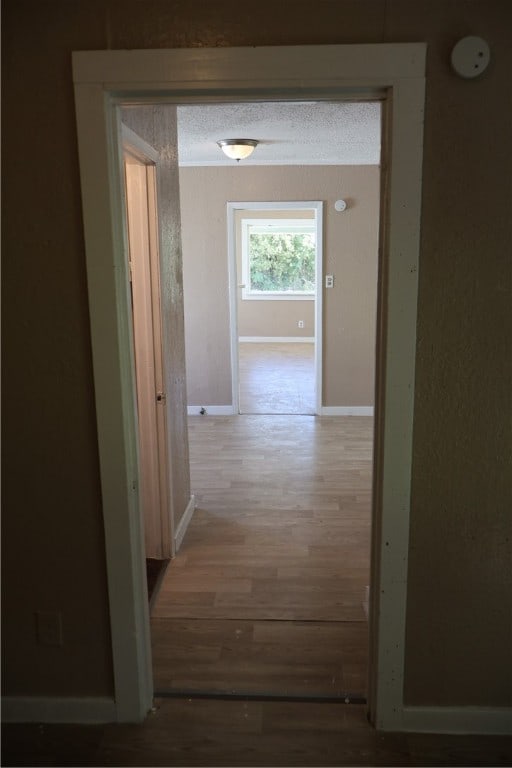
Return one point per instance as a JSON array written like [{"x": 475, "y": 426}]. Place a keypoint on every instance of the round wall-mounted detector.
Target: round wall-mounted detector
[
  {"x": 470, "y": 56},
  {"x": 340, "y": 205}
]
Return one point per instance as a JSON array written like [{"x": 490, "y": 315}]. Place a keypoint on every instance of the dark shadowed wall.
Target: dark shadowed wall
[{"x": 459, "y": 602}]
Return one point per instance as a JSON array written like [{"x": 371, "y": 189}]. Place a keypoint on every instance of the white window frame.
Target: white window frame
[{"x": 281, "y": 225}]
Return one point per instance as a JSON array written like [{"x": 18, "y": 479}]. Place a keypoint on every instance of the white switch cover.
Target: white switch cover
[{"x": 329, "y": 281}]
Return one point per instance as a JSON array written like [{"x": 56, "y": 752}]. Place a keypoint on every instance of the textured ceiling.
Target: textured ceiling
[{"x": 310, "y": 133}]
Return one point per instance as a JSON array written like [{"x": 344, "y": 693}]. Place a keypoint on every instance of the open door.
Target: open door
[{"x": 141, "y": 213}]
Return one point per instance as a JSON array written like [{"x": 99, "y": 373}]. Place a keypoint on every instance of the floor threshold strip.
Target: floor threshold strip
[
  {"x": 341, "y": 698},
  {"x": 259, "y": 621}
]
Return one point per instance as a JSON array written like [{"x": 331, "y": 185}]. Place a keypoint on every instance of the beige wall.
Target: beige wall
[
  {"x": 276, "y": 318},
  {"x": 350, "y": 253},
  {"x": 158, "y": 127},
  {"x": 459, "y": 592}
]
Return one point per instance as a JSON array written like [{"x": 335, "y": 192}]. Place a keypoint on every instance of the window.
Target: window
[{"x": 278, "y": 258}]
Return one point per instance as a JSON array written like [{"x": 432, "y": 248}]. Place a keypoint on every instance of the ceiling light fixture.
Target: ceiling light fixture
[{"x": 237, "y": 149}]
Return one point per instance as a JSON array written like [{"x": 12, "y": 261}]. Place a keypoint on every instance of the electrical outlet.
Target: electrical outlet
[
  {"x": 329, "y": 281},
  {"x": 300, "y": 324},
  {"x": 49, "y": 627}
]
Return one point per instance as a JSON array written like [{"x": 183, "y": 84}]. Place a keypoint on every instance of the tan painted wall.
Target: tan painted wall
[
  {"x": 158, "y": 127},
  {"x": 270, "y": 318},
  {"x": 350, "y": 253},
  {"x": 459, "y": 615},
  {"x": 276, "y": 318}
]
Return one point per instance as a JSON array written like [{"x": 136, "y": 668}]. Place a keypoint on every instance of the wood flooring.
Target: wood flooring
[
  {"x": 267, "y": 591},
  {"x": 284, "y": 514},
  {"x": 316, "y": 660},
  {"x": 277, "y": 377},
  {"x": 188, "y": 732}
]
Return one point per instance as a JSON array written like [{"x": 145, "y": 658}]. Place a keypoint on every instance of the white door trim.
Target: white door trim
[
  {"x": 394, "y": 72},
  {"x": 299, "y": 205},
  {"x": 134, "y": 144},
  {"x": 233, "y": 304}
]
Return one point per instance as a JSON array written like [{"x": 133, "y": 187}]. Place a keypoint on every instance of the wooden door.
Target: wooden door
[{"x": 141, "y": 212}]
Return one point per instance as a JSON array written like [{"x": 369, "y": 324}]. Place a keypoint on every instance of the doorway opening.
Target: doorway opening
[
  {"x": 106, "y": 78},
  {"x": 277, "y": 554},
  {"x": 275, "y": 255}
]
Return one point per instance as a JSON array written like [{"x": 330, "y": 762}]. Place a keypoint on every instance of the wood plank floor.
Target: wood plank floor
[
  {"x": 301, "y": 659},
  {"x": 266, "y": 593},
  {"x": 187, "y": 732},
  {"x": 277, "y": 377},
  {"x": 265, "y": 596}
]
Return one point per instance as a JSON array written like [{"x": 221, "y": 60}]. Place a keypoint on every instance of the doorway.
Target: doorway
[
  {"x": 396, "y": 73},
  {"x": 269, "y": 533},
  {"x": 275, "y": 257}
]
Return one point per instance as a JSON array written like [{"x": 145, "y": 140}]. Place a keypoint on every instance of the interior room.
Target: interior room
[
  {"x": 306, "y": 152},
  {"x": 77, "y": 684}
]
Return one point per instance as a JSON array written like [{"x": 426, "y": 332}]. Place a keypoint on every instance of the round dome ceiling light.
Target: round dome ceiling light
[{"x": 237, "y": 149}]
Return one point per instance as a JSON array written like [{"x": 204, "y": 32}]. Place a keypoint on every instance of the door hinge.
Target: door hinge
[{"x": 161, "y": 397}]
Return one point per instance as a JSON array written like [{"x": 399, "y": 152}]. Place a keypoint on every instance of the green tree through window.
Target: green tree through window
[{"x": 282, "y": 262}]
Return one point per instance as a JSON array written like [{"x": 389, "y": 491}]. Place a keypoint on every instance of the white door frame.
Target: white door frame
[
  {"x": 307, "y": 205},
  {"x": 104, "y": 79}
]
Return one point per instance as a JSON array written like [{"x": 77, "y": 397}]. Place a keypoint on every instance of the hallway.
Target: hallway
[{"x": 266, "y": 594}]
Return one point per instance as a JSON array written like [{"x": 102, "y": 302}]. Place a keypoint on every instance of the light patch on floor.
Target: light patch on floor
[{"x": 277, "y": 377}]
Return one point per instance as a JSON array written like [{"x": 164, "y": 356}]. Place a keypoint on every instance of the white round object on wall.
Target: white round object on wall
[
  {"x": 470, "y": 56},
  {"x": 340, "y": 205}
]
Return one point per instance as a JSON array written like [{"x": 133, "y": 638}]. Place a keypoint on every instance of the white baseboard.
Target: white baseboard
[
  {"x": 211, "y": 410},
  {"x": 183, "y": 523},
  {"x": 327, "y": 410},
  {"x": 277, "y": 339},
  {"x": 39, "y": 709},
  {"x": 458, "y": 720},
  {"x": 347, "y": 410}
]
